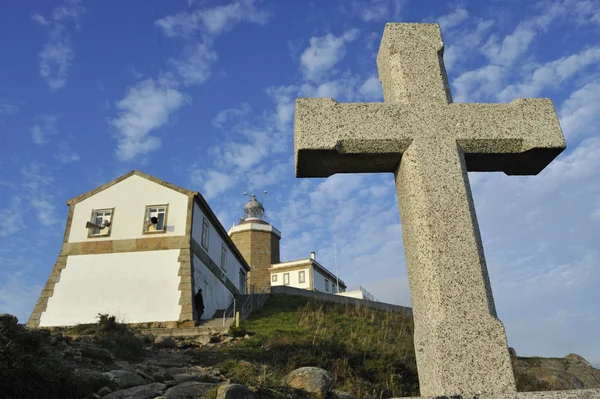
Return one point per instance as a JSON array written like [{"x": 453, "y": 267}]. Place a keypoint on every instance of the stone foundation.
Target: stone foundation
[{"x": 571, "y": 394}]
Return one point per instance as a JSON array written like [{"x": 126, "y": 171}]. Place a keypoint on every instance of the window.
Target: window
[
  {"x": 326, "y": 285},
  {"x": 301, "y": 278},
  {"x": 155, "y": 219},
  {"x": 101, "y": 217},
  {"x": 286, "y": 279},
  {"x": 333, "y": 288},
  {"x": 273, "y": 278},
  {"x": 205, "y": 233},
  {"x": 223, "y": 257},
  {"x": 242, "y": 282}
]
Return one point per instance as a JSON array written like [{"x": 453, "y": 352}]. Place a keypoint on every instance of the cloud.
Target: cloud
[
  {"x": 65, "y": 154},
  {"x": 145, "y": 107},
  {"x": 462, "y": 41},
  {"x": 226, "y": 115},
  {"x": 212, "y": 21},
  {"x": 17, "y": 296},
  {"x": 43, "y": 128},
  {"x": 36, "y": 177},
  {"x": 371, "y": 89},
  {"x": 46, "y": 211},
  {"x": 57, "y": 53},
  {"x": 193, "y": 67},
  {"x": 580, "y": 113},
  {"x": 12, "y": 217},
  {"x": 479, "y": 84},
  {"x": 324, "y": 53},
  {"x": 213, "y": 182},
  {"x": 8, "y": 108},
  {"x": 552, "y": 74},
  {"x": 452, "y": 19},
  {"x": 378, "y": 10}
]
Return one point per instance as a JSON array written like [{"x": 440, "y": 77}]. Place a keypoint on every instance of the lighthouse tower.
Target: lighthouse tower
[{"x": 258, "y": 242}]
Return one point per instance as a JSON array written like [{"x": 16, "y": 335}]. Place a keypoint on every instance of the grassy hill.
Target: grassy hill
[{"x": 368, "y": 351}]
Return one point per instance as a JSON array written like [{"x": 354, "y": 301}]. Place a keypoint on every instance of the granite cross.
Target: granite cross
[{"x": 430, "y": 143}]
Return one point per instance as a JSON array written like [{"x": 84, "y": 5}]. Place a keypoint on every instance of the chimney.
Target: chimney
[{"x": 312, "y": 255}]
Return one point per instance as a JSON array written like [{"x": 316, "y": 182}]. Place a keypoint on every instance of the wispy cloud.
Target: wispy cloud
[
  {"x": 228, "y": 114},
  {"x": 57, "y": 53},
  {"x": 65, "y": 154},
  {"x": 145, "y": 107},
  {"x": 212, "y": 182},
  {"x": 12, "y": 217},
  {"x": 44, "y": 127},
  {"x": 324, "y": 52},
  {"x": 193, "y": 67},
  {"x": 212, "y": 21},
  {"x": 376, "y": 10}
]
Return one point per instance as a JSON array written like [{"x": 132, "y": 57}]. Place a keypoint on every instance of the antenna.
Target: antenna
[{"x": 336, "y": 265}]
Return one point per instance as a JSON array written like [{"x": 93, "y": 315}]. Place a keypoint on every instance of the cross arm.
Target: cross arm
[{"x": 519, "y": 138}]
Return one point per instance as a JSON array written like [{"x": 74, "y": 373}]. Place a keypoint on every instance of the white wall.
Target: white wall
[
  {"x": 214, "y": 246},
  {"x": 319, "y": 281},
  {"x": 134, "y": 286},
  {"x": 129, "y": 198},
  {"x": 352, "y": 294},
  {"x": 294, "y": 278},
  {"x": 214, "y": 293}
]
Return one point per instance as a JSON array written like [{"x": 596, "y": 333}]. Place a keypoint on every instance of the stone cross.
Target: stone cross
[{"x": 430, "y": 143}]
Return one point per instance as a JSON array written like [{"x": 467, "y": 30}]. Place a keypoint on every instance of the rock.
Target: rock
[
  {"x": 95, "y": 396},
  {"x": 234, "y": 391},
  {"x": 125, "y": 378},
  {"x": 8, "y": 320},
  {"x": 188, "y": 390},
  {"x": 227, "y": 340},
  {"x": 164, "y": 342},
  {"x": 246, "y": 336},
  {"x": 200, "y": 377},
  {"x": 335, "y": 394},
  {"x": 104, "y": 391},
  {"x": 95, "y": 351},
  {"x": 55, "y": 338},
  {"x": 310, "y": 379},
  {"x": 215, "y": 339},
  {"x": 149, "y": 391},
  {"x": 203, "y": 339},
  {"x": 512, "y": 352}
]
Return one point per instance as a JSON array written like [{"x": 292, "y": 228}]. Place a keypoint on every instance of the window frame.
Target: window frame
[
  {"x": 164, "y": 229},
  {"x": 326, "y": 285},
  {"x": 302, "y": 277},
  {"x": 273, "y": 278},
  {"x": 288, "y": 278},
  {"x": 92, "y": 220},
  {"x": 207, "y": 224},
  {"x": 224, "y": 256}
]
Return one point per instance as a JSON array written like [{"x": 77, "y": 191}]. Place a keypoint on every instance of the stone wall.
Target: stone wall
[{"x": 323, "y": 296}]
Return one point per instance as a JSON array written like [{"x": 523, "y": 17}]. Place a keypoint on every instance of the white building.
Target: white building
[
  {"x": 139, "y": 248},
  {"x": 258, "y": 242}
]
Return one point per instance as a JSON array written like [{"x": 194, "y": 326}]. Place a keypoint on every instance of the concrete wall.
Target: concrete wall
[
  {"x": 323, "y": 296},
  {"x": 215, "y": 242},
  {"x": 352, "y": 294},
  {"x": 294, "y": 278},
  {"x": 215, "y": 294},
  {"x": 129, "y": 198},
  {"x": 134, "y": 286}
]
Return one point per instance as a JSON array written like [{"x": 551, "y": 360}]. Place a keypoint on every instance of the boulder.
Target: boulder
[
  {"x": 188, "y": 390},
  {"x": 512, "y": 352},
  {"x": 164, "y": 342},
  {"x": 149, "y": 391},
  {"x": 234, "y": 391},
  {"x": 195, "y": 376},
  {"x": 310, "y": 379},
  {"x": 126, "y": 379}
]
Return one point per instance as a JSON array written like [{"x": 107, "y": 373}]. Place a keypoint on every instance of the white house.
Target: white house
[
  {"x": 307, "y": 274},
  {"x": 139, "y": 248}
]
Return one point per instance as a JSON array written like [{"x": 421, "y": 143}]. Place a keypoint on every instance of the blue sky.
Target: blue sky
[{"x": 201, "y": 94}]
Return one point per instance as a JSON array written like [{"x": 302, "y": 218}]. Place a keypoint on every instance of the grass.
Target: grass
[
  {"x": 28, "y": 370},
  {"x": 369, "y": 352}
]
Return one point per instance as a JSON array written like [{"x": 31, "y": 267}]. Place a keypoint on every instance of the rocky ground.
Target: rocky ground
[{"x": 171, "y": 368}]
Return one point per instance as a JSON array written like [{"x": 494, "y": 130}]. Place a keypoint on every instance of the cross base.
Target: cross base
[{"x": 572, "y": 394}]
